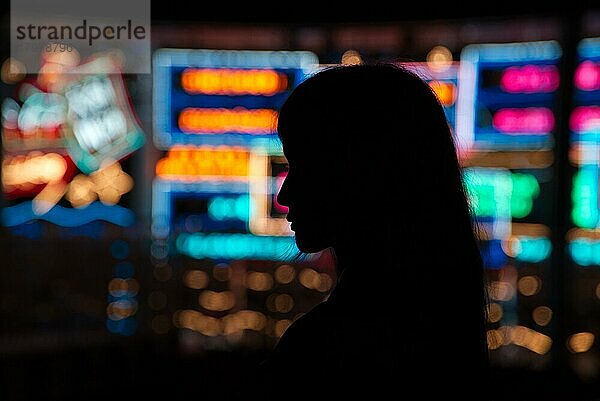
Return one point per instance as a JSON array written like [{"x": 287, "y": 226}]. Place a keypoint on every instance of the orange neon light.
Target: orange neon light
[
  {"x": 20, "y": 172},
  {"x": 195, "y": 162},
  {"x": 225, "y": 81},
  {"x": 445, "y": 91},
  {"x": 219, "y": 121}
]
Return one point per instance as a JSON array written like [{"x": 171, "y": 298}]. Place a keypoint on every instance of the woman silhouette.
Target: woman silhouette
[{"x": 374, "y": 178}]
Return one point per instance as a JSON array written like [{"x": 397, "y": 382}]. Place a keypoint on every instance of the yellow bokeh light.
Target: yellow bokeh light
[
  {"x": 196, "y": 321},
  {"x": 439, "y": 58},
  {"x": 12, "y": 71},
  {"x": 310, "y": 278},
  {"x": 283, "y": 303},
  {"x": 529, "y": 285},
  {"x": 195, "y": 279},
  {"x": 81, "y": 191},
  {"x": 580, "y": 342},
  {"x": 284, "y": 274},
  {"x": 495, "y": 312},
  {"x": 542, "y": 315},
  {"x": 494, "y": 339},
  {"x": 501, "y": 290},
  {"x": 351, "y": 57},
  {"x": 259, "y": 281},
  {"x": 110, "y": 183},
  {"x": 281, "y": 326},
  {"x": 217, "y": 301}
]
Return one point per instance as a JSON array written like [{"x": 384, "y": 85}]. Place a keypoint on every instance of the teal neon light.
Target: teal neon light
[
  {"x": 236, "y": 246},
  {"x": 585, "y": 252},
  {"x": 533, "y": 249},
  {"x": 229, "y": 208}
]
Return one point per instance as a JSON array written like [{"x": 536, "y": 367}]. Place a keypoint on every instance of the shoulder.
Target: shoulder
[
  {"x": 305, "y": 340},
  {"x": 307, "y": 326}
]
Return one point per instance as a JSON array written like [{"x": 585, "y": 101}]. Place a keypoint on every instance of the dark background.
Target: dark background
[{"x": 57, "y": 357}]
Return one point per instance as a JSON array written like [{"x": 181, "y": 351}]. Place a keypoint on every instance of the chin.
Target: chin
[{"x": 310, "y": 245}]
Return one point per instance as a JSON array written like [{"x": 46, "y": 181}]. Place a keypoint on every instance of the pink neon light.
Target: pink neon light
[
  {"x": 587, "y": 76},
  {"x": 279, "y": 182},
  {"x": 530, "y": 79},
  {"x": 585, "y": 118},
  {"x": 531, "y": 120}
]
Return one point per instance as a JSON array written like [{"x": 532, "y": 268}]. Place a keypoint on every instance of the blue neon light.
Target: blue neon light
[
  {"x": 169, "y": 98},
  {"x": 68, "y": 217},
  {"x": 475, "y": 99}
]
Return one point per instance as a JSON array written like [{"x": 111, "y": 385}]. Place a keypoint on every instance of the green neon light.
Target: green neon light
[
  {"x": 500, "y": 193},
  {"x": 585, "y": 197}
]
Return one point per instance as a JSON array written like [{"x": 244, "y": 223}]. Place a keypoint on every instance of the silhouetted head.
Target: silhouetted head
[
  {"x": 371, "y": 161},
  {"x": 374, "y": 174}
]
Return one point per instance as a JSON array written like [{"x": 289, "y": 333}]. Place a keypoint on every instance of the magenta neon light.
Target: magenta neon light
[
  {"x": 587, "y": 76},
  {"x": 279, "y": 182},
  {"x": 531, "y": 120},
  {"x": 585, "y": 118},
  {"x": 530, "y": 79}
]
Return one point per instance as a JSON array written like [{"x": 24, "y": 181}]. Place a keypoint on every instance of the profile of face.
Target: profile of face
[
  {"x": 309, "y": 192},
  {"x": 348, "y": 133}
]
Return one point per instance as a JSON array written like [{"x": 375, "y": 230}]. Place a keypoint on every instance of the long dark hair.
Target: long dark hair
[{"x": 385, "y": 145}]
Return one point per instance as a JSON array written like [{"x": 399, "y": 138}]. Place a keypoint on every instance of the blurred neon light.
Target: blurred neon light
[
  {"x": 476, "y": 58},
  {"x": 587, "y": 76},
  {"x": 530, "y": 120},
  {"x": 196, "y": 162},
  {"x": 235, "y": 246},
  {"x": 221, "y": 120},
  {"x": 582, "y": 153},
  {"x": 510, "y": 159},
  {"x": 169, "y": 94},
  {"x": 101, "y": 125},
  {"x": 585, "y": 118},
  {"x": 445, "y": 91},
  {"x": 225, "y": 208},
  {"x": 67, "y": 217},
  {"x": 263, "y": 192},
  {"x": 224, "y": 81},
  {"x": 530, "y": 249},
  {"x": 499, "y": 193},
  {"x": 584, "y": 194},
  {"x": 107, "y": 185},
  {"x": 235, "y": 58},
  {"x": 278, "y": 183},
  {"x": 512, "y": 52},
  {"x": 24, "y": 172},
  {"x": 165, "y": 190},
  {"x": 530, "y": 79},
  {"x": 589, "y": 48},
  {"x": 585, "y": 252}
]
